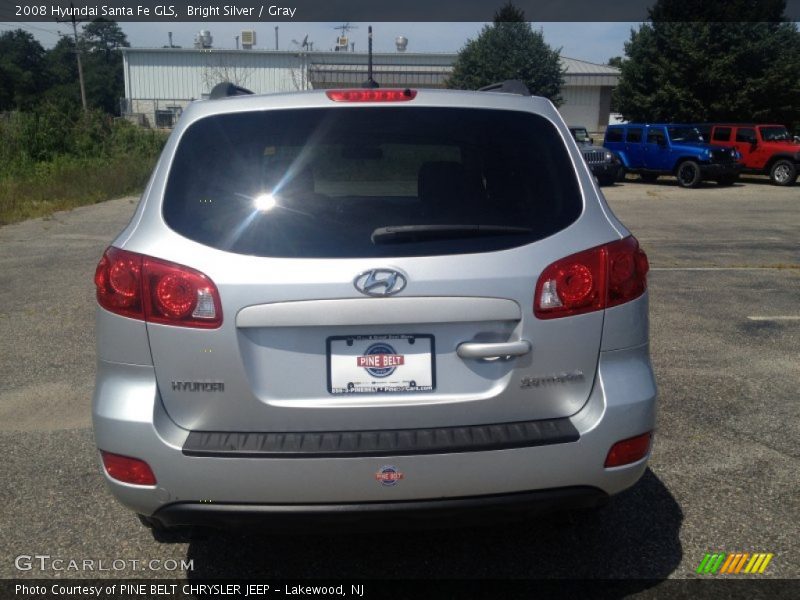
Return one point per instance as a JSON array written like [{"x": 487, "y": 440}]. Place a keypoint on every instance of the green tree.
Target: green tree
[
  {"x": 21, "y": 69},
  {"x": 102, "y": 64},
  {"x": 615, "y": 61},
  {"x": 713, "y": 68},
  {"x": 509, "y": 48},
  {"x": 102, "y": 35},
  {"x": 61, "y": 72}
]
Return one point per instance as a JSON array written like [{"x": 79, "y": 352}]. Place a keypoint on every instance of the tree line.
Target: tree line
[
  {"x": 691, "y": 62},
  {"x": 31, "y": 76}
]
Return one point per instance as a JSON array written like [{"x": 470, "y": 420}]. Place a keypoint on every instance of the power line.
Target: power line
[{"x": 12, "y": 26}]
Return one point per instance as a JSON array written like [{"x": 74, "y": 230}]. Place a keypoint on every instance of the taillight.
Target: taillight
[
  {"x": 127, "y": 469},
  {"x": 591, "y": 280},
  {"x": 371, "y": 95},
  {"x": 629, "y": 451},
  {"x": 118, "y": 279},
  {"x": 157, "y": 291}
]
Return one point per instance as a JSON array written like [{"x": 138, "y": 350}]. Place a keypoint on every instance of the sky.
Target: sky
[{"x": 593, "y": 42}]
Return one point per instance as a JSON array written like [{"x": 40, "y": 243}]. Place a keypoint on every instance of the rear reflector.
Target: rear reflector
[
  {"x": 157, "y": 291},
  {"x": 371, "y": 95},
  {"x": 127, "y": 469},
  {"x": 629, "y": 451},
  {"x": 594, "y": 279}
]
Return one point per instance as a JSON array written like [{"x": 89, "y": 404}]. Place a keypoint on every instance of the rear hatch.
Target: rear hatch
[{"x": 355, "y": 250}]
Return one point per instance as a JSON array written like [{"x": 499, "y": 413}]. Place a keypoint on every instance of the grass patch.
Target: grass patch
[
  {"x": 52, "y": 160},
  {"x": 71, "y": 182}
]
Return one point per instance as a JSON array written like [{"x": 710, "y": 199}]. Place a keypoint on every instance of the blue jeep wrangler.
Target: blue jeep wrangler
[{"x": 670, "y": 149}]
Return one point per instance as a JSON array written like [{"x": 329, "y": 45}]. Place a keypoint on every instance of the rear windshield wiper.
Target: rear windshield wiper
[{"x": 420, "y": 233}]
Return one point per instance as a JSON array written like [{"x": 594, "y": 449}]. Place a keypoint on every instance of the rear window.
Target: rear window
[{"x": 370, "y": 182}]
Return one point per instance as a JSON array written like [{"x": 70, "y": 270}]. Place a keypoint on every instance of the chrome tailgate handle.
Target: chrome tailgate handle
[{"x": 504, "y": 350}]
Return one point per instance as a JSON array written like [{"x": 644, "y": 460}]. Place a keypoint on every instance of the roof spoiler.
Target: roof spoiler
[
  {"x": 509, "y": 86},
  {"x": 226, "y": 89}
]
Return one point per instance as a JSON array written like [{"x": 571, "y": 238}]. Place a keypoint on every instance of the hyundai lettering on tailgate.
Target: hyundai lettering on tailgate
[{"x": 380, "y": 364}]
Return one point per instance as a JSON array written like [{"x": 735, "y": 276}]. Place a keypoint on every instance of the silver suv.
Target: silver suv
[{"x": 354, "y": 303}]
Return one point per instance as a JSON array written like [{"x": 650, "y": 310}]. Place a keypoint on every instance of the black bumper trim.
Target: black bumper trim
[
  {"x": 720, "y": 169},
  {"x": 438, "y": 512},
  {"x": 382, "y": 442}
]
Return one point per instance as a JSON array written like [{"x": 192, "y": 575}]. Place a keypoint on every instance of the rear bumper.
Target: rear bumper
[
  {"x": 129, "y": 419},
  {"x": 367, "y": 516}
]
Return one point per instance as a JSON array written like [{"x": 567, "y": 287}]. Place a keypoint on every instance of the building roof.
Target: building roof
[{"x": 572, "y": 66}]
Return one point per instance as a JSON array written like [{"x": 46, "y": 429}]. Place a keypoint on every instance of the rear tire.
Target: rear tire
[
  {"x": 649, "y": 177},
  {"x": 783, "y": 172},
  {"x": 688, "y": 174}
]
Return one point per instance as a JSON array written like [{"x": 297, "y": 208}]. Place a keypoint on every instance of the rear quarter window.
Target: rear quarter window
[{"x": 320, "y": 182}]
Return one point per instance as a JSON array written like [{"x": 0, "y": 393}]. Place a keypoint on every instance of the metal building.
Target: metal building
[{"x": 160, "y": 82}]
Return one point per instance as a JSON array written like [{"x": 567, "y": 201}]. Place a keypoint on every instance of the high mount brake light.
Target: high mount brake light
[
  {"x": 371, "y": 95},
  {"x": 594, "y": 279},
  {"x": 156, "y": 291}
]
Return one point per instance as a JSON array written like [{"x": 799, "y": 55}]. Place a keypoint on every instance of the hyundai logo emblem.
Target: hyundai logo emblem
[{"x": 380, "y": 282}]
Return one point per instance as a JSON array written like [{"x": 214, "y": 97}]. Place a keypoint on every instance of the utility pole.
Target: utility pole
[{"x": 78, "y": 55}]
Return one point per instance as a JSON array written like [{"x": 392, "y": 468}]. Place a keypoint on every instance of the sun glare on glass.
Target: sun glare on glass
[{"x": 264, "y": 202}]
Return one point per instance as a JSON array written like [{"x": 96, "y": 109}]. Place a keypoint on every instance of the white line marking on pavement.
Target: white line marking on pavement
[{"x": 776, "y": 318}]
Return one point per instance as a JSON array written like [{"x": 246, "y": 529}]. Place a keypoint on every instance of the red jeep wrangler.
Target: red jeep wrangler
[{"x": 765, "y": 149}]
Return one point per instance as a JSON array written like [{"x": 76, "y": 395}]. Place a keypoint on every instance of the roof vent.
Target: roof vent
[
  {"x": 248, "y": 39},
  {"x": 401, "y": 42},
  {"x": 203, "y": 39}
]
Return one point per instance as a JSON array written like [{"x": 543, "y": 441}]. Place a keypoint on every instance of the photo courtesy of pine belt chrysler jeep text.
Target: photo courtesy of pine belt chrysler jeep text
[{"x": 369, "y": 303}]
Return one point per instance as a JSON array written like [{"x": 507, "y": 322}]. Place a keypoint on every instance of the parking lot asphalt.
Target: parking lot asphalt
[{"x": 725, "y": 342}]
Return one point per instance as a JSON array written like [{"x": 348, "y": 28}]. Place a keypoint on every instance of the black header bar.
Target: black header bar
[{"x": 260, "y": 11}]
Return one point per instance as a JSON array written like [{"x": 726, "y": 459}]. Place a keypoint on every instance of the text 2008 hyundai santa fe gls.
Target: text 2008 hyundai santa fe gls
[{"x": 361, "y": 303}]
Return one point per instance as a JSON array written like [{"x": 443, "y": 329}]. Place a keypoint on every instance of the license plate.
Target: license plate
[{"x": 381, "y": 364}]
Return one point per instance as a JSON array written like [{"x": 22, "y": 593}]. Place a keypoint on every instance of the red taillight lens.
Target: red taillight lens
[
  {"x": 118, "y": 279},
  {"x": 371, "y": 95},
  {"x": 127, "y": 469},
  {"x": 627, "y": 272},
  {"x": 629, "y": 451},
  {"x": 591, "y": 280},
  {"x": 178, "y": 295},
  {"x": 141, "y": 287}
]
